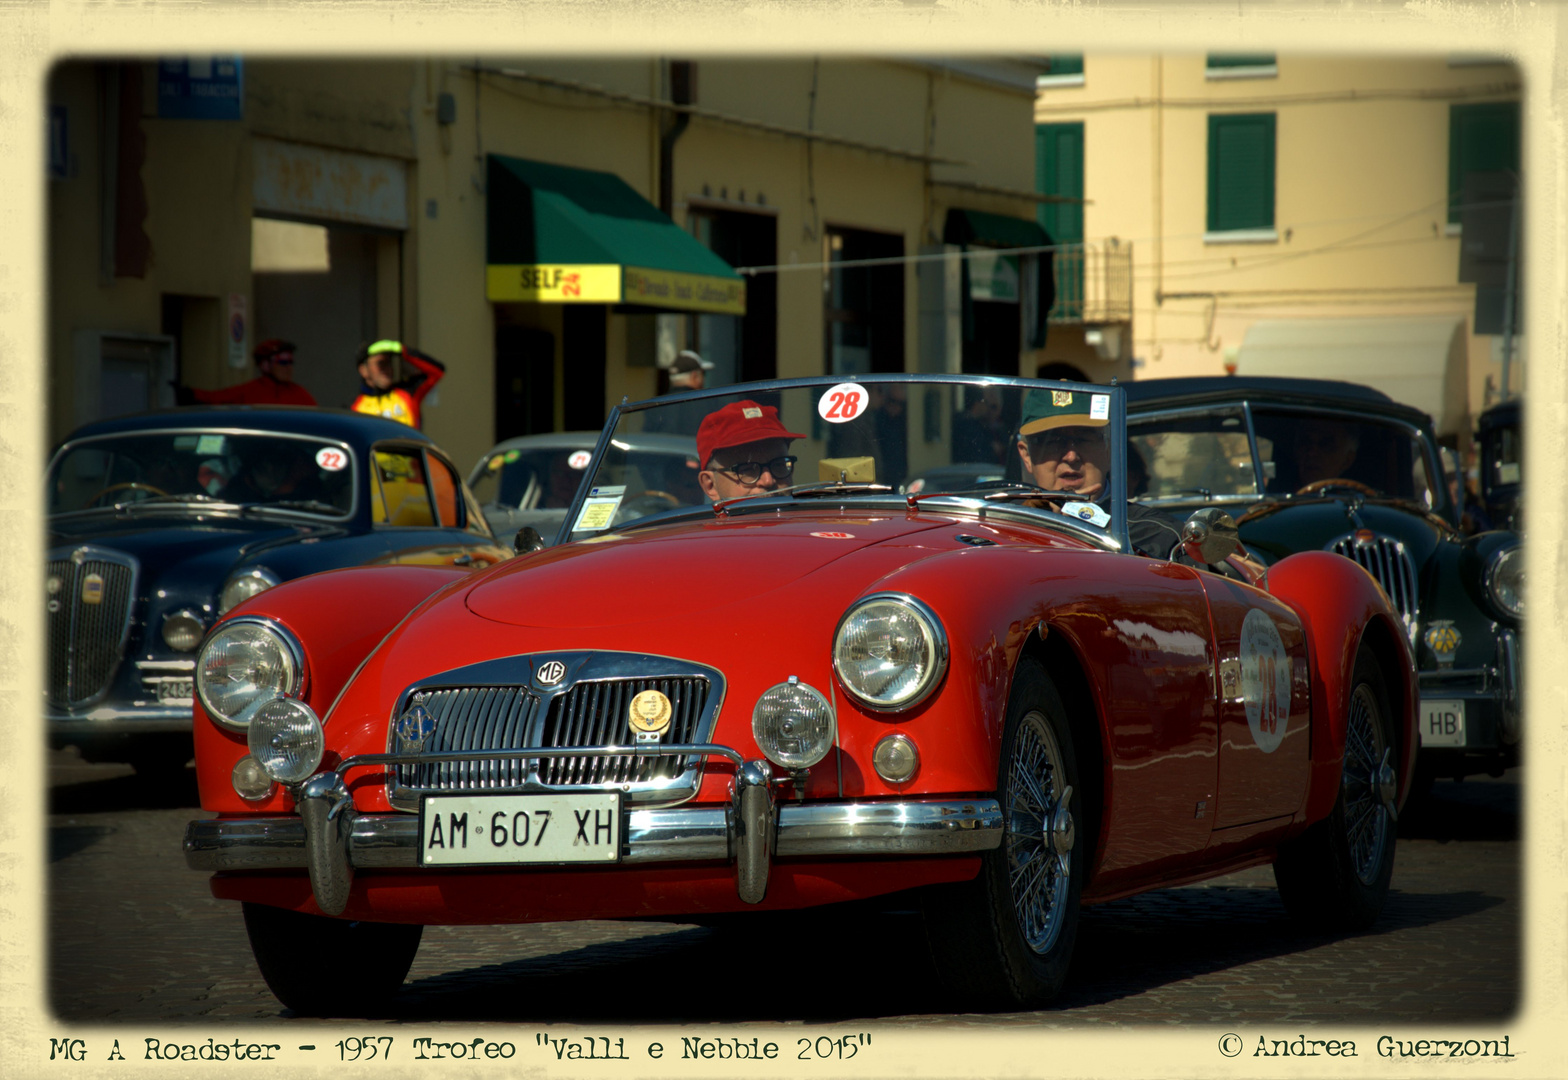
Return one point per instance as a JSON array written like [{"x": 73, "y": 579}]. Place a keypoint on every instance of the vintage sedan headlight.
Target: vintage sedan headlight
[
  {"x": 246, "y": 661},
  {"x": 182, "y": 630},
  {"x": 794, "y": 724},
  {"x": 890, "y": 651},
  {"x": 242, "y": 586},
  {"x": 1505, "y": 580},
  {"x": 285, "y": 739}
]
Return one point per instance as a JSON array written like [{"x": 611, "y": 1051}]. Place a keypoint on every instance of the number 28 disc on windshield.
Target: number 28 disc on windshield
[{"x": 842, "y": 403}]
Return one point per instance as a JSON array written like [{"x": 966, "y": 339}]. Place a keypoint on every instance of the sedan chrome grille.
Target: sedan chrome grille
[
  {"x": 500, "y": 708},
  {"x": 88, "y": 611},
  {"x": 1386, "y": 559}
]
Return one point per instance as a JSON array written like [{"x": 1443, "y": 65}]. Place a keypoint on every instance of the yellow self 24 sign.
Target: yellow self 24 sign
[{"x": 560, "y": 283}]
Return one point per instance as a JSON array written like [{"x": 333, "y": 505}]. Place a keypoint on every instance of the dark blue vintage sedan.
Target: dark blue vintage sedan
[
  {"x": 161, "y": 522},
  {"x": 1311, "y": 464}
]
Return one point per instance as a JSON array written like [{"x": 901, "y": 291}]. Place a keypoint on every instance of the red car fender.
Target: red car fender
[
  {"x": 1341, "y": 606},
  {"x": 338, "y": 617}
]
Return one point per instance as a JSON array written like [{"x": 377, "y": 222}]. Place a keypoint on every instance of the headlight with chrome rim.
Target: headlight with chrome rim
[
  {"x": 889, "y": 651},
  {"x": 243, "y": 585},
  {"x": 1505, "y": 580},
  {"x": 247, "y": 661}
]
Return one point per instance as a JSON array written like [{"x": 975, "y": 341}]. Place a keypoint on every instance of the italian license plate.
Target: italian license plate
[
  {"x": 175, "y": 690},
  {"x": 1442, "y": 722},
  {"x": 502, "y": 830}
]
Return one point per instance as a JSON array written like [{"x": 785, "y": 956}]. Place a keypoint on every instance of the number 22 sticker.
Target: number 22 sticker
[
  {"x": 842, "y": 403},
  {"x": 330, "y": 459}
]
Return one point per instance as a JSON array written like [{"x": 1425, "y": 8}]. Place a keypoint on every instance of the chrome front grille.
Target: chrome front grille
[
  {"x": 1386, "y": 559},
  {"x": 519, "y": 720},
  {"x": 86, "y": 640}
]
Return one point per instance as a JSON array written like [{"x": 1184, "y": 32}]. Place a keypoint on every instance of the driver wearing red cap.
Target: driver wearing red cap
[{"x": 744, "y": 451}]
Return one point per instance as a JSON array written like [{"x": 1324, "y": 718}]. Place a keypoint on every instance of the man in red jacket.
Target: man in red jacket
[
  {"x": 381, "y": 393},
  {"x": 274, "y": 386}
]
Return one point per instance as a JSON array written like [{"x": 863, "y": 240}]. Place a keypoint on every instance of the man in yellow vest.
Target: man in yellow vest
[{"x": 382, "y": 393}]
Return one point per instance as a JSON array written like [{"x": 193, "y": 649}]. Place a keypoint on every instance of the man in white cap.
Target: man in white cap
[{"x": 687, "y": 373}]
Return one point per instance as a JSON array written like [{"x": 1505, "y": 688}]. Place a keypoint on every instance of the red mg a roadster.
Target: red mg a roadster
[{"x": 894, "y": 633}]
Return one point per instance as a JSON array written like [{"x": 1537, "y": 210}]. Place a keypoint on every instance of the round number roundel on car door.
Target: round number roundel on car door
[{"x": 1265, "y": 680}]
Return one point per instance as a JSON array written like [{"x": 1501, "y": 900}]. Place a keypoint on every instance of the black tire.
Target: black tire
[
  {"x": 998, "y": 942},
  {"x": 1335, "y": 875},
  {"x": 318, "y": 966}
]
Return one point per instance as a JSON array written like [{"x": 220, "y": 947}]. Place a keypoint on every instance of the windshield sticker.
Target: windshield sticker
[
  {"x": 842, "y": 403},
  {"x": 579, "y": 460},
  {"x": 513, "y": 455},
  {"x": 1265, "y": 680},
  {"x": 1099, "y": 407},
  {"x": 599, "y": 511},
  {"x": 331, "y": 459},
  {"x": 210, "y": 444},
  {"x": 1089, "y": 512},
  {"x": 495, "y": 463},
  {"x": 185, "y": 442}
]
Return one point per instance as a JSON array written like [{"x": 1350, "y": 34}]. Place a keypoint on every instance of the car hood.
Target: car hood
[
  {"x": 680, "y": 570},
  {"x": 1285, "y": 528},
  {"x": 159, "y": 542}
]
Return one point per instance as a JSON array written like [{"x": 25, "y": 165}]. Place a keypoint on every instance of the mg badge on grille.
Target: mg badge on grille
[
  {"x": 1442, "y": 637},
  {"x": 92, "y": 589},
  {"x": 413, "y": 728},
  {"x": 550, "y": 673},
  {"x": 650, "y": 715}
]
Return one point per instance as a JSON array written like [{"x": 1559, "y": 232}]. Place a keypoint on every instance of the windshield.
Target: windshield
[
  {"x": 1208, "y": 456},
  {"x": 194, "y": 467},
  {"x": 547, "y": 477},
  {"x": 894, "y": 439}
]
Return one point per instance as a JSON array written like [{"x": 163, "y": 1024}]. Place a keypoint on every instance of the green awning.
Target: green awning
[
  {"x": 992, "y": 230},
  {"x": 555, "y": 234}
]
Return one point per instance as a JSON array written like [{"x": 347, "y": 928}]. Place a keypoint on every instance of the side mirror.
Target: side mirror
[
  {"x": 527, "y": 540},
  {"x": 1209, "y": 535}
]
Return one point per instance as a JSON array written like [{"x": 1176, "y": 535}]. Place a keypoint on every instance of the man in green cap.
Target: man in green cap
[{"x": 1062, "y": 442}]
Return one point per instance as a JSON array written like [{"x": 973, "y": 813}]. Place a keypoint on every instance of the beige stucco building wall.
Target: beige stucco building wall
[
  {"x": 909, "y": 141},
  {"x": 1360, "y": 198}
]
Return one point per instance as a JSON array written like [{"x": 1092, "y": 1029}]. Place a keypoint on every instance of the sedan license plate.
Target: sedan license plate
[
  {"x": 503, "y": 830},
  {"x": 1442, "y": 722},
  {"x": 175, "y": 689}
]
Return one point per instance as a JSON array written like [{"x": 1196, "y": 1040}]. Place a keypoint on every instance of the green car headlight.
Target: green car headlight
[
  {"x": 889, "y": 651},
  {"x": 1505, "y": 580},
  {"x": 242, "y": 586}
]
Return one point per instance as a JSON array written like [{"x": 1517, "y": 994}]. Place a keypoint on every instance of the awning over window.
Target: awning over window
[
  {"x": 1029, "y": 279},
  {"x": 558, "y": 235},
  {"x": 1419, "y": 362}
]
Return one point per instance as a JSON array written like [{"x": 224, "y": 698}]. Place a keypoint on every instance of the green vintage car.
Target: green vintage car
[{"x": 1310, "y": 464}]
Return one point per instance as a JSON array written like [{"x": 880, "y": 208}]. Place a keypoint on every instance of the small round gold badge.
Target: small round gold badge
[{"x": 650, "y": 712}]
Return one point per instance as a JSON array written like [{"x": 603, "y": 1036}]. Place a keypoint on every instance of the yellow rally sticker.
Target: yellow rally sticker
[{"x": 597, "y": 515}]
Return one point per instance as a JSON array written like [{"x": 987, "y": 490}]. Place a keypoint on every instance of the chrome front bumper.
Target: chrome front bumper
[{"x": 331, "y": 840}]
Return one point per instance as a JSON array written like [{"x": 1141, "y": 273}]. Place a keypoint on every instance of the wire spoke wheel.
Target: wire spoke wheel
[
  {"x": 1366, "y": 816},
  {"x": 1037, "y": 875}
]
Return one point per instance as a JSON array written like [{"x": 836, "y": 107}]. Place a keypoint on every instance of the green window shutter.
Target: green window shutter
[
  {"x": 1066, "y": 64},
  {"x": 1221, "y": 61},
  {"x": 1481, "y": 138},
  {"x": 1241, "y": 172},
  {"x": 1058, "y": 170}
]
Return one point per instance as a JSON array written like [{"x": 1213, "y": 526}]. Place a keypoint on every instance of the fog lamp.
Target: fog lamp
[
  {"x": 793, "y": 724},
  {"x": 251, "y": 780},
  {"x": 182, "y": 630},
  {"x": 895, "y": 758},
  {"x": 286, "y": 740}
]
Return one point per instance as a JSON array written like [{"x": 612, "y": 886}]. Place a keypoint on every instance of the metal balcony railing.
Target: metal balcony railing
[{"x": 1093, "y": 283}]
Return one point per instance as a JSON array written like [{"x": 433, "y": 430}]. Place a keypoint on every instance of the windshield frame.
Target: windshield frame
[
  {"x": 1116, "y": 534},
  {"x": 218, "y": 504}
]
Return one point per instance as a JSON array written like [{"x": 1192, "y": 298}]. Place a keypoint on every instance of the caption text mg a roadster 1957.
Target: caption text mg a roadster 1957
[{"x": 792, "y": 684}]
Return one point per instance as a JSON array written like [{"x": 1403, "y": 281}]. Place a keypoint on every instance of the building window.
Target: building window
[
  {"x": 1064, "y": 70},
  {"x": 1058, "y": 170},
  {"x": 863, "y": 306},
  {"x": 1240, "y": 66},
  {"x": 1241, "y": 177},
  {"x": 1481, "y": 138}
]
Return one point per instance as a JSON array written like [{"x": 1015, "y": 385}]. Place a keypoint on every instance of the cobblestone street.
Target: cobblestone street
[{"x": 135, "y": 937}]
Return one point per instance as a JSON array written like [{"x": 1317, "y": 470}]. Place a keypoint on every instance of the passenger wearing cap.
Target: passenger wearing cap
[
  {"x": 1062, "y": 443},
  {"x": 687, "y": 373},
  {"x": 382, "y": 393},
  {"x": 274, "y": 386},
  {"x": 744, "y": 451}
]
